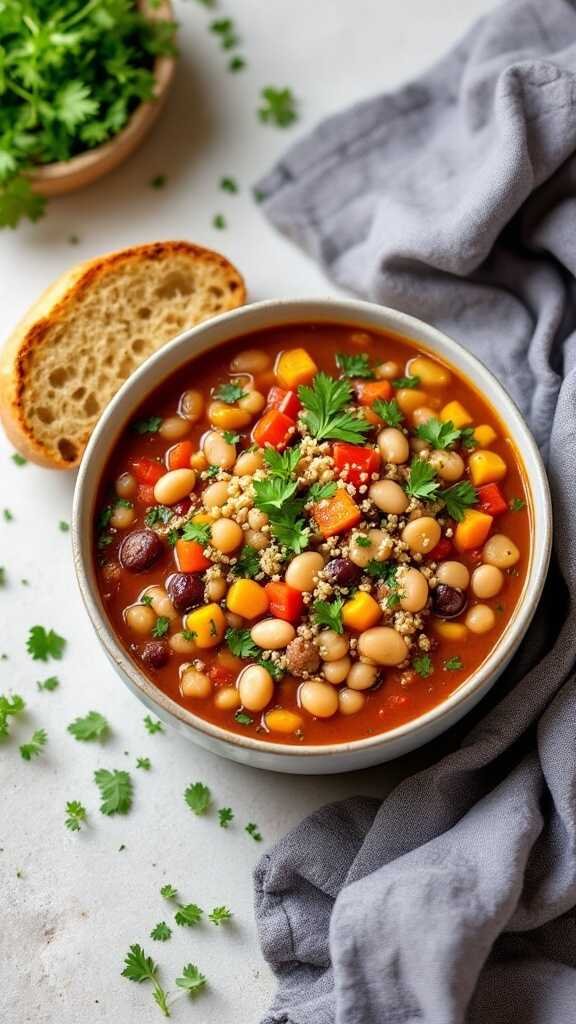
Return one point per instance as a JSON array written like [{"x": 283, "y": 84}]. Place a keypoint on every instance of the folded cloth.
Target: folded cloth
[{"x": 452, "y": 900}]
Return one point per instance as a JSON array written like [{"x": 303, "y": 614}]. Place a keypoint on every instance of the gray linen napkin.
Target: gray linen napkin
[{"x": 453, "y": 899}]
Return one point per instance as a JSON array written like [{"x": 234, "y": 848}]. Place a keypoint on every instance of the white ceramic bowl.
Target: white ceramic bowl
[{"x": 246, "y": 749}]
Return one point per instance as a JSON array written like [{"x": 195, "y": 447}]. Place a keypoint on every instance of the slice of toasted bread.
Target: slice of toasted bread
[{"x": 91, "y": 328}]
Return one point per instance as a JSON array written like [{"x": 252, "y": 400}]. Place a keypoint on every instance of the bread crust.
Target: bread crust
[{"x": 53, "y": 304}]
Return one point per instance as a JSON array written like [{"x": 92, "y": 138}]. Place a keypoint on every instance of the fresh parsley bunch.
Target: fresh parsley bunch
[{"x": 72, "y": 72}]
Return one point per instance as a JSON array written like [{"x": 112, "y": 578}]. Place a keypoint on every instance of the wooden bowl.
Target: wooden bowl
[{"x": 67, "y": 175}]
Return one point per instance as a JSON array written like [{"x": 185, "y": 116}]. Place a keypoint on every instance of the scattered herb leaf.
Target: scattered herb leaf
[
  {"x": 278, "y": 107},
  {"x": 422, "y": 665},
  {"x": 35, "y": 746},
  {"x": 252, "y": 830},
  {"x": 92, "y": 727},
  {"x": 115, "y": 791},
  {"x": 161, "y": 932},
  {"x": 43, "y": 644},
  {"x": 191, "y": 980},
  {"x": 354, "y": 366},
  {"x": 76, "y": 815},
  {"x": 454, "y": 663},
  {"x": 197, "y": 796},
  {"x": 219, "y": 915},
  {"x": 329, "y": 613},
  {"x": 153, "y": 726},
  {"x": 225, "y": 815},
  {"x": 406, "y": 382},
  {"x": 52, "y": 683},
  {"x": 189, "y": 915},
  {"x": 389, "y": 412},
  {"x": 229, "y": 392},
  {"x": 325, "y": 414}
]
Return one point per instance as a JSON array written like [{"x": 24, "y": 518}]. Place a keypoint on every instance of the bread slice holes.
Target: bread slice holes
[
  {"x": 91, "y": 405},
  {"x": 58, "y": 377},
  {"x": 78, "y": 395},
  {"x": 44, "y": 415},
  {"x": 174, "y": 284},
  {"x": 144, "y": 313},
  {"x": 67, "y": 449},
  {"x": 137, "y": 345}
]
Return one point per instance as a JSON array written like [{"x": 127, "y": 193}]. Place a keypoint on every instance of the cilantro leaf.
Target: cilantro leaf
[
  {"x": 282, "y": 464},
  {"x": 42, "y": 644},
  {"x": 158, "y": 514},
  {"x": 354, "y": 366},
  {"x": 422, "y": 665},
  {"x": 149, "y": 425},
  {"x": 458, "y": 498},
  {"x": 230, "y": 392},
  {"x": 160, "y": 627},
  {"x": 93, "y": 727},
  {"x": 252, "y": 830},
  {"x": 389, "y": 412},
  {"x": 161, "y": 932},
  {"x": 152, "y": 726},
  {"x": 231, "y": 437},
  {"x": 18, "y": 459},
  {"x": 329, "y": 613},
  {"x": 76, "y": 815},
  {"x": 198, "y": 798},
  {"x": 320, "y": 492},
  {"x": 73, "y": 104},
  {"x": 247, "y": 564},
  {"x": 422, "y": 482},
  {"x": 9, "y": 707},
  {"x": 242, "y": 645},
  {"x": 144, "y": 763},
  {"x": 440, "y": 434},
  {"x": 516, "y": 504},
  {"x": 225, "y": 815},
  {"x": 454, "y": 663},
  {"x": 115, "y": 790},
  {"x": 52, "y": 683},
  {"x": 139, "y": 967},
  {"x": 17, "y": 200},
  {"x": 406, "y": 382},
  {"x": 168, "y": 892},
  {"x": 191, "y": 979},
  {"x": 278, "y": 107},
  {"x": 219, "y": 915},
  {"x": 325, "y": 414},
  {"x": 243, "y": 718},
  {"x": 189, "y": 915},
  {"x": 229, "y": 185},
  {"x": 199, "y": 532},
  {"x": 35, "y": 746}
]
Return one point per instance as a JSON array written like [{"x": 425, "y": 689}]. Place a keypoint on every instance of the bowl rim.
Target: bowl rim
[{"x": 336, "y": 310}]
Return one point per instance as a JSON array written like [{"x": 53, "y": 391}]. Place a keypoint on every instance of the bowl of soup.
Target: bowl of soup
[{"x": 311, "y": 534}]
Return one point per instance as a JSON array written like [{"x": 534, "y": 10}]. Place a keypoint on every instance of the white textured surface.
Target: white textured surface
[{"x": 67, "y": 922}]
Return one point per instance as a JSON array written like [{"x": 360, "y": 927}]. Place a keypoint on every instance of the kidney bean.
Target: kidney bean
[
  {"x": 139, "y": 550},
  {"x": 448, "y": 602},
  {"x": 185, "y": 590},
  {"x": 342, "y": 572},
  {"x": 155, "y": 654}
]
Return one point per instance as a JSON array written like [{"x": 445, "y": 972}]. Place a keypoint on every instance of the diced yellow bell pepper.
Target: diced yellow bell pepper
[
  {"x": 431, "y": 373},
  {"x": 486, "y": 467},
  {"x": 473, "y": 530},
  {"x": 484, "y": 435},
  {"x": 294, "y": 367},
  {"x": 361, "y": 612},
  {"x": 281, "y": 720},
  {"x": 456, "y": 412},
  {"x": 208, "y": 623},
  {"x": 410, "y": 399},
  {"x": 452, "y": 631},
  {"x": 248, "y": 599},
  {"x": 228, "y": 417}
]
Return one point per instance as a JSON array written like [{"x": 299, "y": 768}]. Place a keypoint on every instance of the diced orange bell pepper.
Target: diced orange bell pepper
[
  {"x": 486, "y": 467},
  {"x": 336, "y": 514},
  {"x": 247, "y": 598},
  {"x": 285, "y": 602},
  {"x": 273, "y": 428},
  {"x": 361, "y": 612},
  {"x": 190, "y": 556},
  {"x": 369, "y": 391},
  {"x": 179, "y": 456},
  {"x": 147, "y": 471},
  {"x": 295, "y": 366},
  {"x": 473, "y": 530}
]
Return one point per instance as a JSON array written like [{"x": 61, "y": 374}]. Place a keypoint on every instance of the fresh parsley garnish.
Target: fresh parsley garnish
[
  {"x": 160, "y": 627},
  {"x": 440, "y": 434},
  {"x": 325, "y": 413},
  {"x": 9, "y": 707},
  {"x": 454, "y": 663},
  {"x": 43, "y": 644},
  {"x": 467, "y": 438},
  {"x": 225, "y": 816},
  {"x": 148, "y": 425},
  {"x": 406, "y": 382},
  {"x": 92, "y": 727},
  {"x": 229, "y": 185},
  {"x": 18, "y": 459},
  {"x": 224, "y": 28},
  {"x": 252, "y": 830},
  {"x": 276, "y": 497},
  {"x": 243, "y": 718},
  {"x": 219, "y": 221},
  {"x": 9, "y": 518},
  {"x": 144, "y": 763},
  {"x": 76, "y": 815},
  {"x": 63, "y": 526},
  {"x": 139, "y": 967},
  {"x": 422, "y": 665},
  {"x": 389, "y": 412},
  {"x": 458, "y": 498},
  {"x": 242, "y": 645},
  {"x": 189, "y": 915},
  {"x": 161, "y": 932},
  {"x": 231, "y": 437},
  {"x": 516, "y": 504},
  {"x": 247, "y": 564},
  {"x": 191, "y": 980},
  {"x": 199, "y": 532},
  {"x": 422, "y": 481},
  {"x": 278, "y": 107},
  {"x": 219, "y": 915},
  {"x": 212, "y": 472},
  {"x": 168, "y": 892},
  {"x": 153, "y": 726},
  {"x": 158, "y": 514},
  {"x": 230, "y": 392},
  {"x": 362, "y": 541},
  {"x": 329, "y": 613},
  {"x": 147, "y": 600},
  {"x": 354, "y": 366},
  {"x": 50, "y": 684},
  {"x": 115, "y": 791},
  {"x": 35, "y": 745},
  {"x": 282, "y": 464},
  {"x": 198, "y": 798},
  {"x": 236, "y": 64},
  {"x": 321, "y": 492}
]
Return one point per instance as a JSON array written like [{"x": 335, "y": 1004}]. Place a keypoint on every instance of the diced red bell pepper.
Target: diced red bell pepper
[
  {"x": 443, "y": 549},
  {"x": 147, "y": 471},
  {"x": 286, "y": 401},
  {"x": 274, "y": 428},
  {"x": 179, "y": 456},
  {"x": 190, "y": 556},
  {"x": 284, "y": 602},
  {"x": 368, "y": 391},
  {"x": 356, "y": 464},
  {"x": 491, "y": 500}
]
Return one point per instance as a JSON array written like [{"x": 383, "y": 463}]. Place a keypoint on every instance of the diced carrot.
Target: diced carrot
[
  {"x": 355, "y": 464},
  {"x": 361, "y": 611},
  {"x": 294, "y": 367},
  {"x": 179, "y": 456},
  {"x": 491, "y": 500},
  {"x": 247, "y": 598},
  {"x": 147, "y": 471},
  {"x": 274, "y": 428},
  {"x": 368, "y": 391},
  {"x": 285, "y": 602},
  {"x": 473, "y": 530},
  {"x": 286, "y": 401},
  {"x": 190, "y": 556},
  {"x": 336, "y": 514}
]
